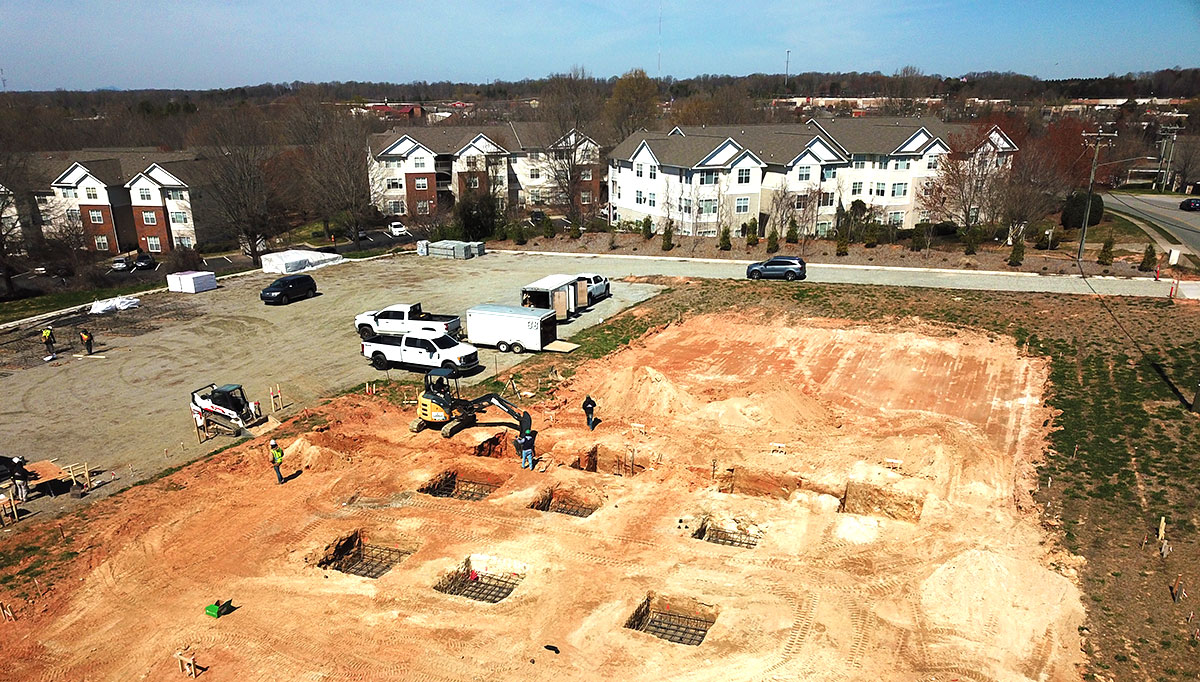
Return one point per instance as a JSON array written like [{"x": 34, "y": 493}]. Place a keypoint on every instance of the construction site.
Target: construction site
[{"x": 761, "y": 499}]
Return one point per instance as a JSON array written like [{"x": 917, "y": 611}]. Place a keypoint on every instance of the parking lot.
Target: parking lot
[{"x": 126, "y": 410}]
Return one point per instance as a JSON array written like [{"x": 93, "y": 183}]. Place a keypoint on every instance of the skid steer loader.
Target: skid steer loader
[
  {"x": 441, "y": 406},
  {"x": 226, "y": 408}
]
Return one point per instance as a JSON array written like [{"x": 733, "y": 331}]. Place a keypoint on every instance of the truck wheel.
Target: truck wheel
[
  {"x": 518, "y": 348},
  {"x": 365, "y": 332},
  {"x": 379, "y": 361},
  {"x": 790, "y": 276},
  {"x": 755, "y": 274},
  {"x": 450, "y": 366},
  {"x": 502, "y": 346}
]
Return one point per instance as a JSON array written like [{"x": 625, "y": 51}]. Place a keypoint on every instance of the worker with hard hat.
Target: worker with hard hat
[
  {"x": 276, "y": 460},
  {"x": 48, "y": 339}
]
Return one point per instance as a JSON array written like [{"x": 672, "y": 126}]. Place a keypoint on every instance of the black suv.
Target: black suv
[
  {"x": 1190, "y": 204},
  {"x": 790, "y": 268},
  {"x": 144, "y": 261},
  {"x": 289, "y": 288}
]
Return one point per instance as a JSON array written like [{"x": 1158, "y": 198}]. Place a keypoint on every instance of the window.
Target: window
[
  {"x": 931, "y": 164},
  {"x": 403, "y": 208},
  {"x": 585, "y": 174},
  {"x": 880, "y": 189},
  {"x": 91, "y": 193},
  {"x": 828, "y": 173},
  {"x": 419, "y": 162},
  {"x": 653, "y": 172},
  {"x": 801, "y": 202},
  {"x": 685, "y": 206},
  {"x": 896, "y": 218},
  {"x": 826, "y": 199},
  {"x": 638, "y": 170},
  {"x": 42, "y": 199},
  {"x": 742, "y": 205},
  {"x": 179, "y": 218},
  {"x": 153, "y": 245},
  {"x": 616, "y": 190},
  {"x": 149, "y": 218},
  {"x": 144, "y": 193},
  {"x": 472, "y": 162},
  {"x": 395, "y": 183},
  {"x": 473, "y": 182},
  {"x": 421, "y": 183},
  {"x": 902, "y": 164},
  {"x": 423, "y": 207},
  {"x": 924, "y": 216},
  {"x": 69, "y": 194},
  {"x": 175, "y": 194},
  {"x": 585, "y": 197},
  {"x": 805, "y": 173},
  {"x": 394, "y": 207},
  {"x": 95, "y": 217},
  {"x": 860, "y": 164},
  {"x": 823, "y": 227},
  {"x": 743, "y": 176},
  {"x": 101, "y": 242},
  {"x": 855, "y": 188},
  {"x": 639, "y": 198},
  {"x": 708, "y": 207},
  {"x": 535, "y": 173},
  {"x": 535, "y": 196},
  {"x": 973, "y": 214},
  {"x": 708, "y": 177},
  {"x": 184, "y": 242},
  {"x": 652, "y": 199},
  {"x": 73, "y": 215},
  {"x": 899, "y": 189}
]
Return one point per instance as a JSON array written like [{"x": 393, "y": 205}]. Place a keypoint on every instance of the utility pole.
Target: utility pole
[
  {"x": 787, "y": 65},
  {"x": 1087, "y": 208},
  {"x": 1168, "y": 134}
]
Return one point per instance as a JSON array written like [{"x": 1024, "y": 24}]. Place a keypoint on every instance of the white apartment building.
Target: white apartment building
[
  {"x": 702, "y": 178},
  {"x": 162, "y": 207}
]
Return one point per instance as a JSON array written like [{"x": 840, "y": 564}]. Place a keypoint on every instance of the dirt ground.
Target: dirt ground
[{"x": 880, "y": 472}]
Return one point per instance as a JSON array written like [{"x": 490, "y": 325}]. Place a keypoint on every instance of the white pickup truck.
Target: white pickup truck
[
  {"x": 420, "y": 349},
  {"x": 404, "y": 318}
]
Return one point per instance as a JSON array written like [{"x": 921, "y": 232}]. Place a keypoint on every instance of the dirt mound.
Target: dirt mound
[
  {"x": 309, "y": 456},
  {"x": 645, "y": 389}
]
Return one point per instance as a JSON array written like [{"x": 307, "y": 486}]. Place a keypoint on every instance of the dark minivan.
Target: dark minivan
[
  {"x": 289, "y": 288},
  {"x": 790, "y": 268}
]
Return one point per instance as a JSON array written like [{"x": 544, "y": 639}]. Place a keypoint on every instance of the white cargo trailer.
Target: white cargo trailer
[
  {"x": 552, "y": 292},
  {"x": 510, "y": 327}
]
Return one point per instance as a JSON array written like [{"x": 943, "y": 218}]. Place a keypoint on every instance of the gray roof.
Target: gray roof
[
  {"x": 111, "y": 166},
  {"x": 515, "y": 137},
  {"x": 779, "y": 144}
]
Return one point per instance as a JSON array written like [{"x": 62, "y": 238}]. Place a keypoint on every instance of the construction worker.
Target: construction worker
[
  {"x": 48, "y": 339},
  {"x": 277, "y": 460},
  {"x": 20, "y": 477},
  {"x": 589, "y": 408},
  {"x": 86, "y": 337},
  {"x": 524, "y": 443}
]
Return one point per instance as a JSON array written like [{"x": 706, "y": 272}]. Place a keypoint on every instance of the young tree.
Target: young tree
[
  {"x": 920, "y": 238},
  {"x": 647, "y": 228},
  {"x": 773, "y": 241},
  {"x": 1017, "y": 255},
  {"x": 633, "y": 104},
  {"x": 792, "y": 235},
  {"x": 843, "y": 240},
  {"x": 239, "y": 146},
  {"x": 1106, "y": 251},
  {"x": 547, "y": 226},
  {"x": 575, "y": 232},
  {"x": 1149, "y": 259},
  {"x": 518, "y": 235},
  {"x": 725, "y": 242},
  {"x": 667, "y": 234},
  {"x": 1186, "y": 161},
  {"x": 963, "y": 187},
  {"x": 751, "y": 236}
]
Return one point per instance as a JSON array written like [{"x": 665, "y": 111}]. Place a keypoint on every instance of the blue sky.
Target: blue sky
[{"x": 79, "y": 44}]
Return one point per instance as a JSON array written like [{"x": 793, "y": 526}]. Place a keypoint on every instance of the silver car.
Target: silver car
[{"x": 790, "y": 268}]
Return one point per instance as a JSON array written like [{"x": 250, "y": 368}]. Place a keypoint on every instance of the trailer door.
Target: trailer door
[
  {"x": 549, "y": 332},
  {"x": 561, "y": 303}
]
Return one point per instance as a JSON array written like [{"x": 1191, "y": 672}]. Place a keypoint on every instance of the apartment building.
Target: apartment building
[
  {"x": 121, "y": 200},
  {"x": 417, "y": 172},
  {"x": 704, "y": 177}
]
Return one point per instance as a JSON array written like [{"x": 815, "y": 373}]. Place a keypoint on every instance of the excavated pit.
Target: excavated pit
[
  {"x": 483, "y": 578},
  {"x": 730, "y": 532},
  {"x": 678, "y": 620},
  {"x": 566, "y": 502},
  {"x": 353, "y": 556},
  {"x": 472, "y": 487}
]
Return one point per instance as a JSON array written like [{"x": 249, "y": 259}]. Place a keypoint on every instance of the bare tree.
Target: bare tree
[
  {"x": 1186, "y": 160},
  {"x": 1033, "y": 188},
  {"x": 246, "y": 203},
  {"x": 961, "y": 190},
  {"x": 569, "y": 110},
  {"x": 16, "y": 212},
  {"x": 633, "y": 103}
]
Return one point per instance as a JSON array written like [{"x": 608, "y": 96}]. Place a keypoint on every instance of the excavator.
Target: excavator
[
  {"x": 440, "y": 405},
  {"x": 226, "y": 408}
]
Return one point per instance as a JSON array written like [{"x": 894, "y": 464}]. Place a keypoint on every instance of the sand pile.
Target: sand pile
[
  {"x": 308, "y": 456},
  {"x": 645, "y": 389}
]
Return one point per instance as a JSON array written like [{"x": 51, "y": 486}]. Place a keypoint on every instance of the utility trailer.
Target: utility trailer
[
  {"x": 510, "y": 327},
  {"x": 552, "y": 292}
]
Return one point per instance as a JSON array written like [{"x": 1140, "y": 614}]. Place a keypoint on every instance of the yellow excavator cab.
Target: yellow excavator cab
[
  {"x": 436, "y": 404},
  {"x": 441, "y": 406}
]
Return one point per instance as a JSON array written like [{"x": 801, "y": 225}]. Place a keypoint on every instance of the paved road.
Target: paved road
[
  {"x": 1164, "y": 211},
  {"x": 619, "y": 266}
]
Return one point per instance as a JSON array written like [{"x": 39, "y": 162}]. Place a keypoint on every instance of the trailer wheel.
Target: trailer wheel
[
  {"x": 379, "y": 361},
  {"x": 502, "y": 346},
  {"x": 518, "y": 348}
]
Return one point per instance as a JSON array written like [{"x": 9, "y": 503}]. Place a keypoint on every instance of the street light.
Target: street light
[{"x": 1087, "y": 208}]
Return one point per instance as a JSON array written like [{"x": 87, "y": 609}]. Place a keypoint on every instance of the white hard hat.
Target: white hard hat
[{"x": 273, "y": 442}]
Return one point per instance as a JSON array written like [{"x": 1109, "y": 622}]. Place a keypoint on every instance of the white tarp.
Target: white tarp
[
  {"x": 297, "y": 260},
  {"x": 110, "y": 304},
  {"x": 191, "y": 281}
]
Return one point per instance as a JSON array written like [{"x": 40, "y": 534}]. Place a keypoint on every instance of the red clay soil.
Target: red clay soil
[{"x": 938, "y": 575}]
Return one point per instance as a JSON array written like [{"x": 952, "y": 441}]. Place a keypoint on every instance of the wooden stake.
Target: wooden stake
[
  {"x": 1162, "y": 528},
  {"x": 1175, "y": 587}
]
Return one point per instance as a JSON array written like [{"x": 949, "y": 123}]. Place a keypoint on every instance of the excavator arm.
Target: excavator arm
[{"x": 524, "y": 421}]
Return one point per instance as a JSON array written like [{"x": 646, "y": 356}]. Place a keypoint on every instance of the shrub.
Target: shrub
[
  {"x": 1047, "y": 243},
  {"x": 575, "y": 232},
  {"x": 843, "y": 242},
  {"x": 667, "y": 234},
  {"x": 612, "y": 241},
  {"x": 793, "y": 232},
  {"x": 751, "y": 238},
  {"x": 920, "y": 241},
  {"x": 970, "y": 239},
  {"x": 773, "y": 241},
  {"x": 1074, "y": 207},
  {"x": 1017, "y": 255},
  {"x": 518, "y": 234},
  {"x": 945, "y": 229},
  {"x": 183, "y": 259},
  {"x": 647, "y": 228},
  {"x": 548, "y": 230},
  {"x": 871, "y": 236},
  {"x": 724, "y": 243},
  {"x": 1106, "y": 252},
  {"x": 1149, "y": 259},
  {"x": 317, "y": 234}
]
